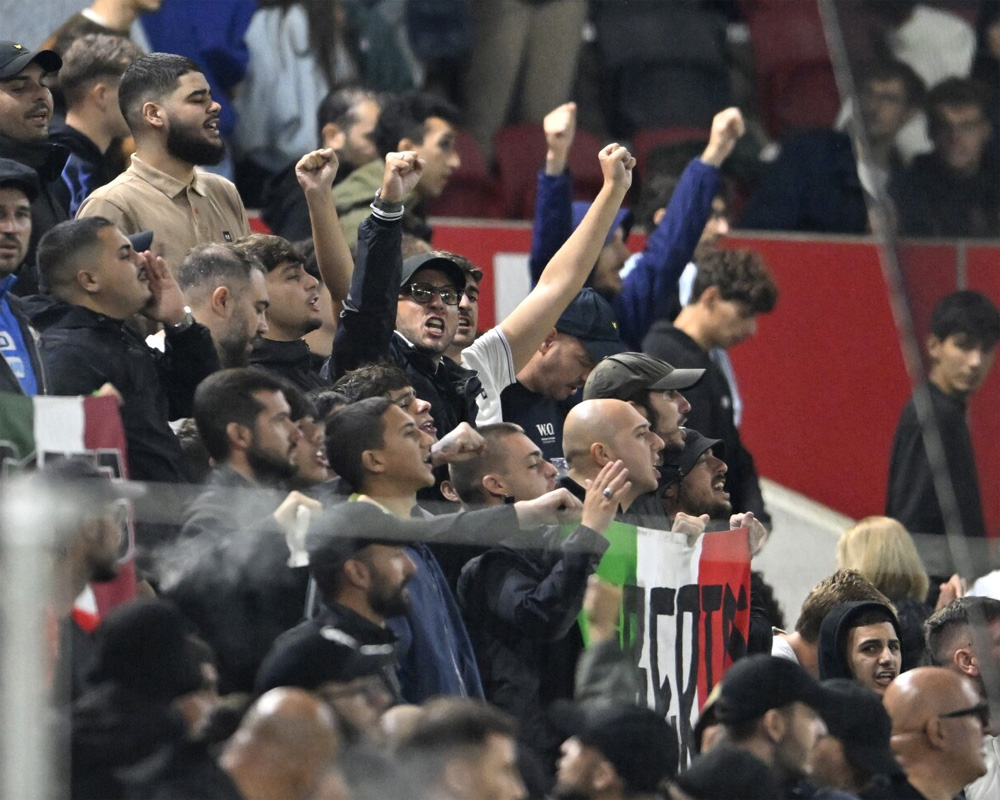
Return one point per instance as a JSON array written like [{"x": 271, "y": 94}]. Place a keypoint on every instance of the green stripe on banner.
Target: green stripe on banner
[
  {"x": 617, "y": 567},
  {"x": 17, "y": 432}
]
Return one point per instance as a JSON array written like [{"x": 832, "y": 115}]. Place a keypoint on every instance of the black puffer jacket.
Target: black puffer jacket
[{"x": 82, "y": 350}]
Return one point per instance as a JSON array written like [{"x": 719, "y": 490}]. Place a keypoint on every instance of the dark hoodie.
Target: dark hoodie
[{"x": 834, "y": 633}]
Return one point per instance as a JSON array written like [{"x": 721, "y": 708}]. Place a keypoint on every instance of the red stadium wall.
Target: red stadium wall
[{"x": 823, "y": 381}]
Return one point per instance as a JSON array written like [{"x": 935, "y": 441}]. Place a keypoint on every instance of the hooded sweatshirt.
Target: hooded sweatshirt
[{"x": 834, "y": 633}]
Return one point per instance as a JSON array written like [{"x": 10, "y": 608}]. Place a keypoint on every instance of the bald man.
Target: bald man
[
  {"x": 938, "y": 721},
  {"x": 283, "y": 748}
]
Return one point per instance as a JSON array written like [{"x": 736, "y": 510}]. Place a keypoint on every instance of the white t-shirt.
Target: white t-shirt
[
  {"x": 781, "y": 648},
  {"x": 490, "y": 356}
]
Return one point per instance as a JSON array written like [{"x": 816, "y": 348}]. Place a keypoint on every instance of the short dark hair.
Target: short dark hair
[
  {"x": 892, "y": 70},
  {"x": 349, "y": 432},
  {"x": 271, "y": 251},
  {"x": 844, "y": 586},
  {"x": 150, "y": 78},
  {"x": 227, "y": 396},
  {"x": 404, "y": 116},
  {"x": 450, "y": 728},
  {"x": 60, "y": 249},
  {"x": 941, "y": 626},
  {"x": 299, "y": 402},
  {"x": 91, "y": 58},
  {"x": 371, "y": 380},
  {"x": 968, "y": 314},
  {"x": 955, "y": 92},
  {"x": 740, "y": 275},
  {"x": 467, "y": 476},
  {"x": 327, "y": 401},
  {"x": 209, "y": 266},
  {"x": 341, "y": 108}
]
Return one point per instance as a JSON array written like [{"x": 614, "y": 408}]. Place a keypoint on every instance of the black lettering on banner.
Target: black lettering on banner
[
  {"x": 661, "y": 604},
  {"x": 694, "y": 609}
]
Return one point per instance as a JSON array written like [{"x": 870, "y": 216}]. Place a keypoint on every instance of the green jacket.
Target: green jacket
[{"x": 353, "y": 197}]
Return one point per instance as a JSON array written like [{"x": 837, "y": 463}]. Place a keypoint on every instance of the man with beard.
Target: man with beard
[
  {"x": 229, "y": 572},
  {"x": 225, "y": 289},
  {"x": 97, "y": 280},
  {"x": 25, "y": 115},
  {"x": 616, "y": 752},
  {"x": 20, "y": 369},
  {"x": 169, "y": 108}
]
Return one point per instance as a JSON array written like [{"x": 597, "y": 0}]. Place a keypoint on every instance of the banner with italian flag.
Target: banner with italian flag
[
  {"x": 685, "y": 614},
  {"x": 34, "y": 429}
]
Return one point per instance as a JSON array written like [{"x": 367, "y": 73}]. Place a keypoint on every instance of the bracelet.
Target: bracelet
[{"x": 184, "y": 324}]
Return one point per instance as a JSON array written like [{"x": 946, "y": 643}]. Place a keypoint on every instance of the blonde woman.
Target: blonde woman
[{"x": 882, "y": 550}]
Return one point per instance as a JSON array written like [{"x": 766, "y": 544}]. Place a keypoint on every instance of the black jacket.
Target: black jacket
[
  {"x": 293, "y": 361},
  {"x": 229, "y": 574},
  {"x": 8, "y": 380},
  {"x": 113, "y": 731},
  {"x": 367, "y": 330},
  {"x": 82, "y": 350},
  {"x": 47, "y": 211},
  {"x": 517, "y": 602},
  {"x": 86, "y": 168},
  {"x": 711, "y": 412}
]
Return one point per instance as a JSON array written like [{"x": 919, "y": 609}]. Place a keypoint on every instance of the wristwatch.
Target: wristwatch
[
  {"x": 184, "y": 324},
  {"x": 385, "y": 205}
]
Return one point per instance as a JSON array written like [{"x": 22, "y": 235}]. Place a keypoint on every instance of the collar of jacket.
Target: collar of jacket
[{"x": 46, "y": 158}]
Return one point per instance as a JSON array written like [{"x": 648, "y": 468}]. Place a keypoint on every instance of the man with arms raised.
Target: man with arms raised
[{"x": 168, "y": 106}]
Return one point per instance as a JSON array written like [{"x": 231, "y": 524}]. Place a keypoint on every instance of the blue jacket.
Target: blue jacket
[
  {"x": 649, "y": 290},
  {"x": 436, "y": 655}
]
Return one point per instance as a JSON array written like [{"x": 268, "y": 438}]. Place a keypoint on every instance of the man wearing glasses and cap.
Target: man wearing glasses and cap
[{"x": 25, "y": 115}]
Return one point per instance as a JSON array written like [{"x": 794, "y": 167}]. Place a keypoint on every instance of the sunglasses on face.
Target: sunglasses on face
[
  {"x": 423, "y": 293},
  {"x": 980, "y": 711}
]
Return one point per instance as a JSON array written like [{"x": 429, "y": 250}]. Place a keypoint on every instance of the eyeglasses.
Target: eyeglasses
[
  {"x": 423, "y": 293},
  {"x": 980, "y": 711}
]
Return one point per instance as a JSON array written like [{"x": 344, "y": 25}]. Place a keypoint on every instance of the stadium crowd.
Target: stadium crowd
[{"x": 382, "y": 553}]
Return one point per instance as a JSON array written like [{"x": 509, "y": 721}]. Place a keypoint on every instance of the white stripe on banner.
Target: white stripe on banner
[{"x": 59, "y": 426}]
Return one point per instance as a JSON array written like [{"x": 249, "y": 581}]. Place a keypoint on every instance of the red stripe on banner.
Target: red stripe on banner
[
  {"x": 725, "y": 565},
  {"x": 104, "y": 435}
]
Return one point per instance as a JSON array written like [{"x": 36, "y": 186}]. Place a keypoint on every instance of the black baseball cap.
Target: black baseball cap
[
  {"x": 15, "y": 57},
  {"x": 756, "y": 684},
  {"x": 637, "y": 741},
  {"x": 313, "y": 654},
  {"x": 591, "y": 319},
  {"x": 14, "y": 173},
  {"x": 726, "y": 772},
  {"x": 860, "y": 722},
  {"x": 677, "y": 465},
  {"x": 436, "y": 261},
  {"x": 626, "y": 375}
]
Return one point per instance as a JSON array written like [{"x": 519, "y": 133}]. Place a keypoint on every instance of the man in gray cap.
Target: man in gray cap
[
  {"x": 652, "y": 387},
  {"x": 20, "y": 369},
  {"x": 25, "y": 114}
]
